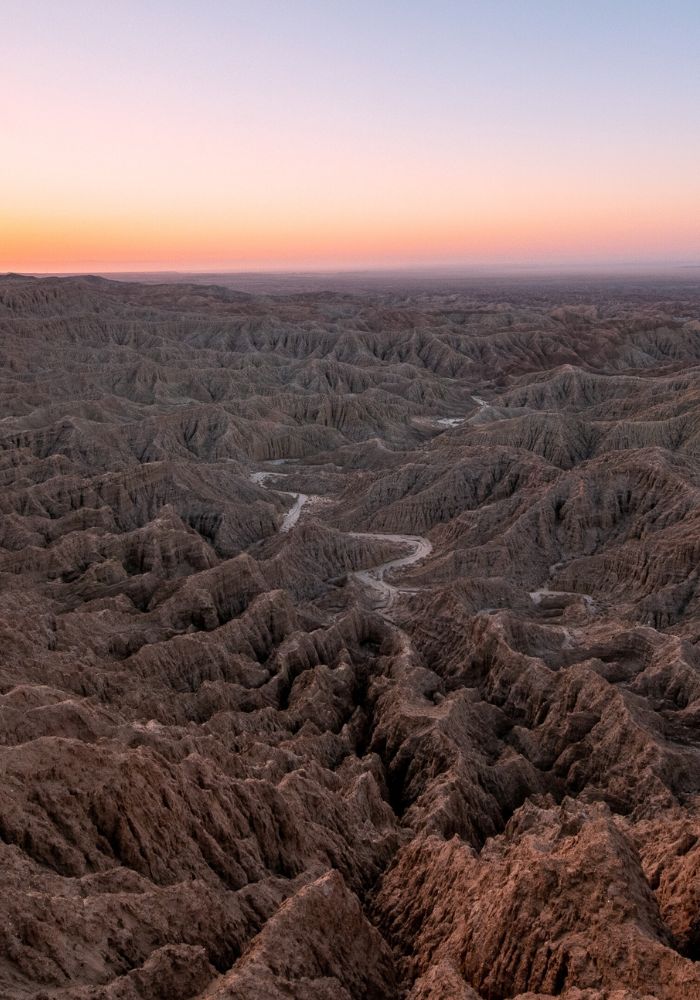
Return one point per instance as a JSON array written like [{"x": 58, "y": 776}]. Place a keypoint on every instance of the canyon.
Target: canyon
[{"x": 349, "y": 639}]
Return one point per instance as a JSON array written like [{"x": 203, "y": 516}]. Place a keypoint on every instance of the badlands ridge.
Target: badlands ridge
[{"x": 349, "y": 641}]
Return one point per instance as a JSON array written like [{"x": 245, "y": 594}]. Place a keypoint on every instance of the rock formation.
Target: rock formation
[{"x": 349, "y": 641}]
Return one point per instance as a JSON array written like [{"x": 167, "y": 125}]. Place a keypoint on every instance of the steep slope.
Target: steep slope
[{"x": 349, "y": 641}]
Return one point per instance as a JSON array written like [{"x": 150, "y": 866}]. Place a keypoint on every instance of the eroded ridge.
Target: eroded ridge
[{"x": 349, "y": 641}]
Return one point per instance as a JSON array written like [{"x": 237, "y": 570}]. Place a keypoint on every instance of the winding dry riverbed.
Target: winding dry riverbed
[
  {"x": 292, "y": 515},
  {"x": 374, "y": 578}
]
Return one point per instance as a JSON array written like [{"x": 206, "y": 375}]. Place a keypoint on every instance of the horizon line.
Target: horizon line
[{"x": 436, "y": 270}]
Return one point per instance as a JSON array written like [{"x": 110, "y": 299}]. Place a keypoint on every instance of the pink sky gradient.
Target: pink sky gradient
[{"x": 252, "y": 136}]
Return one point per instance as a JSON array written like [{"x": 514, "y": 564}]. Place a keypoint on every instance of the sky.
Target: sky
[{"x": 348, "y": 134}]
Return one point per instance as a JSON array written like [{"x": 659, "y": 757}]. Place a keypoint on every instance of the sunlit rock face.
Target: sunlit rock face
[{"x": 349, "y": 642}]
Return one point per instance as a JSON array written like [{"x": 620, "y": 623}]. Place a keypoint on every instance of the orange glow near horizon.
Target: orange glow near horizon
[
  {"x": 139, "y": 142},
  {"x": 148, "y": 241},
  {"x": 415, "y": 223}
]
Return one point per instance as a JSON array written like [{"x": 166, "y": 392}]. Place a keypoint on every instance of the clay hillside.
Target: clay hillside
[{"x": 349, "y": 641}]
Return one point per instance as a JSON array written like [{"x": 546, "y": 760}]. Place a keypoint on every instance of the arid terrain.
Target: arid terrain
[{"x": 349, "y": 640}]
